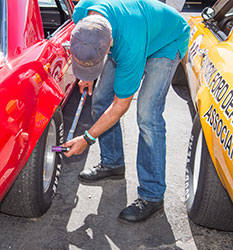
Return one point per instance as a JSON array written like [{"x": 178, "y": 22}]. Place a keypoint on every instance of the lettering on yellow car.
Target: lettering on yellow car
[
  {"x": 219, "y": 88},
  {"x": 194, "y": 48},
  {"x": 193, "y": 32},
  {"x": 221, "y": 130},
  {"x": 222, "y": 94}
]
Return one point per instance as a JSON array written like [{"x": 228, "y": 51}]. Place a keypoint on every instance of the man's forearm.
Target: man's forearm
[{"x": 110, "y": 116}]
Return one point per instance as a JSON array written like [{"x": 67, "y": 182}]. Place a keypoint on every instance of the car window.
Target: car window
[
  {"x": 54, "y": 14},
  {"x": 3, "y": 27},
  {"x": 52, "y": 3},
  {"x": 47, "y": 3}
]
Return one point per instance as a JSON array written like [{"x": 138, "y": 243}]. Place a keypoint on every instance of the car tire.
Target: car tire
[
  {"x": 32, "y": 193},
  {"x": 207, "y": 202}
]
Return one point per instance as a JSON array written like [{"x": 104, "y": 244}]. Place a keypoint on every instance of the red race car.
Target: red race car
[{"x": 35, "y": 82}]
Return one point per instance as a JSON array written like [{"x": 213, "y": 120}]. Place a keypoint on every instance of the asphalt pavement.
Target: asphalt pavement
[{"x": 85, "y": 216}]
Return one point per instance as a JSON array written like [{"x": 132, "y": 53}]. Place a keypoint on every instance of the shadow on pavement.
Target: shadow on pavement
[
  {"x": 49, "y": 231},
  {"x": 94, "y": 228},
  {"x": 97, "y": 231},
  {"x": 101, "y": 230}
]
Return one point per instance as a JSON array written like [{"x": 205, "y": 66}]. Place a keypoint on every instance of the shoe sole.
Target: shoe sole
[
  {"x": 159, "y": 211},
  {"x": 114, "y": 177}
]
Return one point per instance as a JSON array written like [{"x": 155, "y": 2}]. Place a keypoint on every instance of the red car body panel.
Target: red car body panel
[{"x": 35, "y": 78}]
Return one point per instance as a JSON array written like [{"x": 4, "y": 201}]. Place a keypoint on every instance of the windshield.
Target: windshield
[{"x": 3, "y": 27}]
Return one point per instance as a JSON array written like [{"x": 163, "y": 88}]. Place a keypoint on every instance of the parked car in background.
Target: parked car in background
[
  {"x": 35, "y": 82},
  {"x": 209, "y": 73}
]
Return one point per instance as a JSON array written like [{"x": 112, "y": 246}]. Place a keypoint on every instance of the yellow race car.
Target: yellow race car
[{"x": 208, "y": 69}]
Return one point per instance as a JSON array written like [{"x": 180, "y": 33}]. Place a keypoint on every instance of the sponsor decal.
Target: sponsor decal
[
  {"x": 222, "y": 95},
  {"x": 194, "y": 48},
  {"x": 219, "y": 88},
  {"x": 220, "y": 129},
  {"x": 193, "y": 32}
]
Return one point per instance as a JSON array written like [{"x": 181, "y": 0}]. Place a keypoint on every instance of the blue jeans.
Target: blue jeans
[{"x": 151, "y": 156}]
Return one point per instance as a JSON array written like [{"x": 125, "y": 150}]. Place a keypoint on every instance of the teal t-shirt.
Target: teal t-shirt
[{"x": 141, "y": 29}]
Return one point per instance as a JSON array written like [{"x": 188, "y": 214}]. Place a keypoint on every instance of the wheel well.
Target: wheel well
[
  {"x": 179, "y": 77},
  {"x": 180, "y": 86}
]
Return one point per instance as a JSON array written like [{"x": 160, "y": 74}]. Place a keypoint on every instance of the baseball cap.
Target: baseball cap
[{"x": 89, "y": 43}]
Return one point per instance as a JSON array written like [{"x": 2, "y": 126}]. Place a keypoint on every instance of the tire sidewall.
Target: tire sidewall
[{"x": 193, "y": 200}]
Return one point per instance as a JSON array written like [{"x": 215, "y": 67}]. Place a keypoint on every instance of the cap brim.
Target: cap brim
[{"x": 87, "y": 73}]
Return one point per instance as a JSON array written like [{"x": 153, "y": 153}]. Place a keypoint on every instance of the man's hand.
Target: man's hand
[
  {"x": 77, "y": 145},
  {"x": 83, "y": 84},
  {"x": 106, "y": 121}
]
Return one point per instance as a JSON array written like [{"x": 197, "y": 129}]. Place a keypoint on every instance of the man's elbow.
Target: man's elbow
[
  {"x": 122, "y": 104},
  {"x": 123, "y": 107}
]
